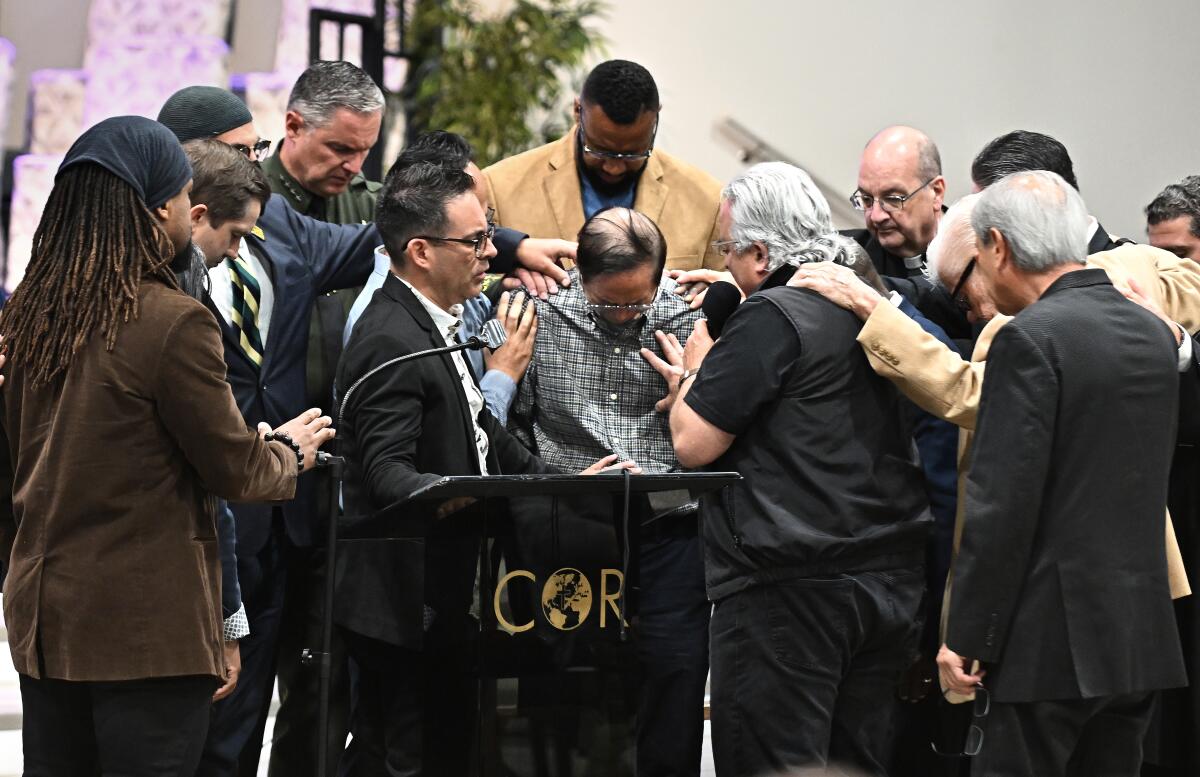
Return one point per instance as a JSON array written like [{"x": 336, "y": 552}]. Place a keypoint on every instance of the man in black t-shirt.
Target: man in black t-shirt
[{"x": 815, "y": 559}]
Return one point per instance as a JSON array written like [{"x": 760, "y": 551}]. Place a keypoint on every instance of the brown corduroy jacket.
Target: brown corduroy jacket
[{"x": 106, "y": 484}]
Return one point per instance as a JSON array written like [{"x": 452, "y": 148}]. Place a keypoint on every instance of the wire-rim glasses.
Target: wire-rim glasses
[{"x": 891, "y": 203}]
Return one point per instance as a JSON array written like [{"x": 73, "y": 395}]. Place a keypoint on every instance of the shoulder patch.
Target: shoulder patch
[{"x": 258, "y": 233}]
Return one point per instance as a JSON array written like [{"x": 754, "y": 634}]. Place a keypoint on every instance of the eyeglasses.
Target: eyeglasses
[
  {"x": 634, "y": 307},
  {"x": 974, "y": 743},
  {"x": 618, "y": 156},
  {"x": 637, "y": 307},
  {"x": 479, "y": 242},
  {"x": 256, "y": 153},
  {"x": 723, "y": 247},
  {"x": 960, "y": 300},
  {"x": 891, "y": 203}
]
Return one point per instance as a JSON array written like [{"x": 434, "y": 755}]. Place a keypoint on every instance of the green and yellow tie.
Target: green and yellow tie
[{"x": 246, "y": 294}]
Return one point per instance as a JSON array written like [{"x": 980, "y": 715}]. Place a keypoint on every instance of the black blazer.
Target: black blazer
[
  {"x": 404, "y": 428},
  {"x": 1061, "y": 578},
  {"x": 304, "y": 258}
]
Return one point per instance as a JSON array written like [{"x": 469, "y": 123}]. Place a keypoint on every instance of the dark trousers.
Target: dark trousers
[
  {"x": 1099, "y": 737},
  {"x": 671, "y": 630},
  {"x": 283, "y": 595},
  {"x": 294, "y": 739},
  {"x": 135, "y": 728},
  {"x": 414, "y": 711},
  {"x": 804, "y": 672}
]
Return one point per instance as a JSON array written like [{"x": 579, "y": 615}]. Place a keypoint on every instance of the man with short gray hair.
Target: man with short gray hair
[
  {"x": 1173, "y": 219},
  {"x": 1060, "y": 581},
  {"x": 333, "y": 118},
  {"x": 815, "y": 559}
]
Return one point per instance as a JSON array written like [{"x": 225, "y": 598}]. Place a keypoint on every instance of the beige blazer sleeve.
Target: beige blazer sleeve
[
  {"x": 1173, "y": 282},
  {"x": 933, "y": 376},
  {"x": 944, "y": 384}
]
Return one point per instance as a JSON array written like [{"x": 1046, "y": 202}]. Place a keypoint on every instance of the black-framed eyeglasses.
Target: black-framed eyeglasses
[
  {"x": 960, "y": 300},
  {"x": 634, "y": 156},
  {"x": 974, "y": 741},
  {"x": 891, "y": 203},
  {"x": 256, "y": 153},
  {"x": 479, "y": 242}
]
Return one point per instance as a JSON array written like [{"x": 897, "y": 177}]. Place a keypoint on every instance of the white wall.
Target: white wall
[{"x": 1114, "y": 81}]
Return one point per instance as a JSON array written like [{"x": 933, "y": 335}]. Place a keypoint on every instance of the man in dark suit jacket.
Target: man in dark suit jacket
[
  {"x": 1061, "y": 581},
  {"x": 403, "y": 605}
]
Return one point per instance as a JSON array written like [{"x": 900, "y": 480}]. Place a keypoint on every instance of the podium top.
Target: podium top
[{"x": 569, "y": 485}]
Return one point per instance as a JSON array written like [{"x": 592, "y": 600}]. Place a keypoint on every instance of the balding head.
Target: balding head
[
  {"x": 617, "y": 240},
  {"x": 900, "y": 188},
  {"x": 904, "y": 146}
]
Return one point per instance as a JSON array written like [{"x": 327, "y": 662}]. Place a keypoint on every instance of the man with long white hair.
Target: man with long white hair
[{"x": 815, "y": 559}]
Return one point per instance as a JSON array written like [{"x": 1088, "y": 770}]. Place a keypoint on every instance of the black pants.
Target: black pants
[
  {"x": 294, "y": 738},
  {"x": 1078, "y": 737},
  {"x": 283, "y": 594},
  {"x": 671, "y": 630},
  {"x": 414, "y": 711},
  {"x": 804, "y": 672},
  {"x": 135, "y": 728}
]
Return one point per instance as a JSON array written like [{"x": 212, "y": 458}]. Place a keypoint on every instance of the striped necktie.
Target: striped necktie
[{"x": 244, "y": 313}]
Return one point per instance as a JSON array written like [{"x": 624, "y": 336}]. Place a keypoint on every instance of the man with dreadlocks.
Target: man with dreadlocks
[{"x": 118, "y": 429}]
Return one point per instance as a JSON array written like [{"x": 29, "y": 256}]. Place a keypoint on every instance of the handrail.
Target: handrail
[{"x": 752, "y": 149}]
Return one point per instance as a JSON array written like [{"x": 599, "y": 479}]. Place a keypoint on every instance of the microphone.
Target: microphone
[
  {"x": 720, "y": 301},
  {"x": 493, "y": 335}
]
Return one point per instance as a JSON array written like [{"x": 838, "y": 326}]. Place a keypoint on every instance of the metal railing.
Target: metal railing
[{"x": 752, "y": 149}]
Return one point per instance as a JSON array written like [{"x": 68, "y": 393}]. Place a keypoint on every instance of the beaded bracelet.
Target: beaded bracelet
[{"x": 286, "y": 439}]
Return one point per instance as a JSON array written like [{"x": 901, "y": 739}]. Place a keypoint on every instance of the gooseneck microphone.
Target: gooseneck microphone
[{"x": 492, "y": 336}]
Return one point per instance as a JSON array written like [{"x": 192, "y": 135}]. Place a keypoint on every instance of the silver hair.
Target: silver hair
[
  {"x": 327, "y": 86},
  {"x": 778, "y": 205},
  {"x": 954, "y": 244},
  {"x": 1041, "y": 216}
]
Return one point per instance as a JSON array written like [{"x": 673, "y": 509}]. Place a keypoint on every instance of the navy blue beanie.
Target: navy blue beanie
[{"x": 140, "y": 151}]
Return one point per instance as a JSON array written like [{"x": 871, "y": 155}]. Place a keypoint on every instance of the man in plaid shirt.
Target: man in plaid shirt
[{"x": 588, "y": 393}]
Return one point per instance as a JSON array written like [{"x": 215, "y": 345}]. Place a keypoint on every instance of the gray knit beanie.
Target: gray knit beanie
[{"x": 203, "y": 112}]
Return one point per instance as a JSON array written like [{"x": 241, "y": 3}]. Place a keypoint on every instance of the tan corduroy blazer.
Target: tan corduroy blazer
[
  {"x": 538, "y": 193},
  {"x": 942, "y": 383},
  {"x": 106, "y": 516}
]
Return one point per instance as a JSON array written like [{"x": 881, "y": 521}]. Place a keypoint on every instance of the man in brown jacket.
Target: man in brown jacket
[{"x": 118, "y": 432}]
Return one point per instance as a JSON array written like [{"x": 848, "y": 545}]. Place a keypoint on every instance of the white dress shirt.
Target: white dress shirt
[
  {"x": 222, "y": 290},
  {"x": 447, "y": 324}
]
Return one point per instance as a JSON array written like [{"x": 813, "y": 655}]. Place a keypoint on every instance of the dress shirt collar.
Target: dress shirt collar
[
  {"x": 383, "y": 262},
  {"x": 446, "y": 322}
]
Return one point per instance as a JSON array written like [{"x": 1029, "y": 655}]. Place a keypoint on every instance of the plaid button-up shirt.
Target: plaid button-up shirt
[{"x": 588, "y": 392}]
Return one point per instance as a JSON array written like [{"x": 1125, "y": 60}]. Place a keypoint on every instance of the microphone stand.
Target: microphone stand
[{"x": 336, "y": 465}]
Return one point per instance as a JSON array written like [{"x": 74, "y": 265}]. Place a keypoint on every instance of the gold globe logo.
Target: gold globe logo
[{"x": 567, "y": 599}]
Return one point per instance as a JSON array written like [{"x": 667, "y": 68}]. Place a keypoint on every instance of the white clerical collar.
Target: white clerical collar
[{"x": 446, "y": 321}]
